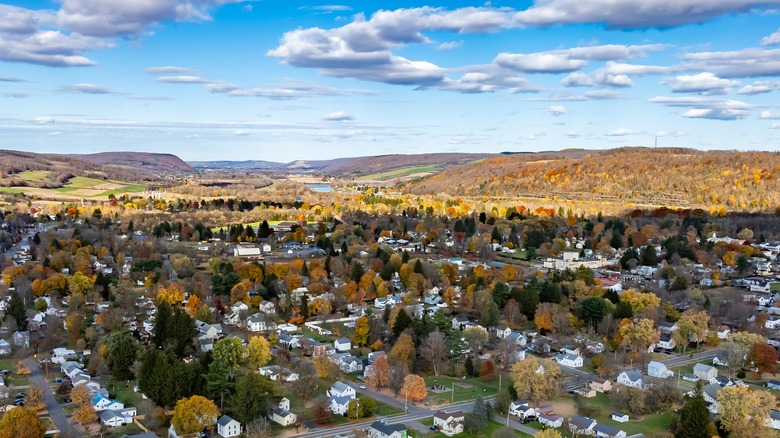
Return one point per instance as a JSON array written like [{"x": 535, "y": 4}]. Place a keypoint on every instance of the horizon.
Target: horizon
[{"x": 275, "y": 82}]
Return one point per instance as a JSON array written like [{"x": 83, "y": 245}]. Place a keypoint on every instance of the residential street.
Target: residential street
[{"x": 54, "y": 408}]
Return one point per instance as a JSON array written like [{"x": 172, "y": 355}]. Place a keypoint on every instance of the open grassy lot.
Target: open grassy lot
[
  {"x": 124, "y": 393},
  {"x": 397, "y": 173},
  {"x": 11, "y": 190},
  {"x": 34, "y": 175},
  {"x": 647, "y": 424},
  {"x": 492, "y": 428},
  {"x": 91, "y": 187},
  {"x": 465, "y": 389}
]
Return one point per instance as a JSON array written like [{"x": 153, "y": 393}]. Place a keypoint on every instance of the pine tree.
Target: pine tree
[
  {"x": 17, "y": 311},
  {"x": 162, "y": 324},
  {"x": 402, "y": 321},
  {"x": 694, "y": 417},
  {"x": 122, "y": 350}
]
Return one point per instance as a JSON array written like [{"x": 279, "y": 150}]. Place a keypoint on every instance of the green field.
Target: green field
[
  {"x": 647, "y": 424},
  {"x": 251, "y": 224},
  {"x": 492, "y": 428},
  {"x": 465, "y": 389},
  {"x": 11, "y": 190},
  {"x": 34, "y": 175},
  {"x": 404, "y": 171},
  {"x": 83, "y": 183}
]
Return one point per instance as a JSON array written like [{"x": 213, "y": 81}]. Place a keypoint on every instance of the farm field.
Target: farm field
[{"x": 397, "y": 173}]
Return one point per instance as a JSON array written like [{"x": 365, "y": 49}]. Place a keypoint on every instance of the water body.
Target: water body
[{"x": 320, "y": 188}]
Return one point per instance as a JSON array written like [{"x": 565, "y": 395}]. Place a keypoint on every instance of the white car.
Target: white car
[{"x": 362, "y": 386}]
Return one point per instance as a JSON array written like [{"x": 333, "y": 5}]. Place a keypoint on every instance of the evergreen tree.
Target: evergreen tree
[
  {"x": 469, "y": 365},
  {"x": 254, "y": 397},
  {"x": 304, "y": 306},
  {"x": 17, "y": 311},
  {"x": 162, "y": 324},
  {"x": 218, "y": 383},
  {"x": 402, "y": 322},
  {"x": 357, "y": 271},
  {"x": 122, "y": 350},
  {"x": 264, "y": 230},
  {"x": 694, "y": 417},
  {"x": 418, "y": 267},
  {"x": 496, "y": 235},
  {"x": 182, "y": 332},
  {"x": 649, "y": 256}
]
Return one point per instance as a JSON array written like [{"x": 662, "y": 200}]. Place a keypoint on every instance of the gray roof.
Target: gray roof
[
  {"x": 711, "y": 390},
  {"x": 224, "y": 420},
  {"x": 343, "y": 340},
  {"x": 387, "y": 429},
  {"x": 702, "y": 367},
  {"x": 607, "y": 429},
  {"x": 633, "y": 375},
  {"x": 581, "y": 422},
  {"x": 340, "y": 386}
]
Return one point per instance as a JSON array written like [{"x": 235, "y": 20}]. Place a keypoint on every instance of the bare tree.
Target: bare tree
[
  {"x": 397, "y": 375},
  {"x": 434, "y": 349},
  {"x": 307, "y": 379},
  {"x": 259, "y": 428}
]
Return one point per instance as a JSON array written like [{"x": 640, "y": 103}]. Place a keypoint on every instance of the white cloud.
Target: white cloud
[
  {"x": 183, "y": 79},
  {"x": 572, "y": 134},
  {"x": 715, "y": 113},
  {"x": 702, "y": 83},
  {"x": 556, "y": 110},
  {"x": 44, "y": 120},
  {"x": 759, "y": 87},
  {"x": 628, "y": 14},
  {"x": 449, "y": 45},
  {"x": 240, "y": 133},
  {"x": 577, "y": 79},
  {"x": 707, "y": 108},
  {"x": 619, "y": 132},
  {"x": 670, "y": 134},
  {"x": 775, "y": 125},
  {"x": 169, "y": 70},
  {"x": 769, "y": 115},
  {"x": 611, "y": 80},
  {"x": 603, "y": 95},
  {"x": 338, "y": 116},
  {"x": 749, "y": 62},
  {"x": 539, "y": 62},
  {"x": 88, "y": 89},
  {"x": 772, "y": 39}
]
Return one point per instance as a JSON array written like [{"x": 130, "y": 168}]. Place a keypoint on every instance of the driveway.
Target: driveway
[{"x": 55, "y": 410}]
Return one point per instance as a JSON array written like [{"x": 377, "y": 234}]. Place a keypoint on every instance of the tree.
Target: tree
[
  {"x": 307, "y": 379},
  {"x": 691, "y": 327},
  {"x": 173, "y": 294},
  {"x": 638, "y": 335},
  {"x": 34, "y": 398},
  {"x": 194, "y": 414},
  {"x": 477, "y": 421},
  {"x": 79, "y": 283},
  {"x": 548, "y": 433},
  {"x": 487, "y": 369},
  {"x": 122, "y": 352},
  {"x": 80, "y": 395},
  {"x": 325, "y": 367},
  {"x": 476, "y": 337},
  {"x": 379, "y": 374},
  {"x": 592, "y": 310},
  {"x": 321, "y": 413},
  {"x": 434, "y": 349},
  {"x": 536, "y": 379},
  {"x": 744, "y": 411},
  {"x": 218, "y": 381},
  {"x": 403, "y": 351},
  {"x": 258, "y": 351},
  {"x": 694, "y": 416},
  {"x": 365, "y": 407},
  {"x": 362, "y": 328},
  {"x": 528, "y": 298},
  {"x": 414, "y": 388},
  {"x": 402, "y": 322},
  {"x": 21, "y": 423},
  {"x": 85, "y": 414},
  {"x": 254, "y": 397},
  {"x": 397, "y": 375},
  {"x": 545, "y": 312},
  {"x": 764, "y": 357},
  {"x": 640, "y": 301},
  {"x": 230, "y": 352},
  {"x": 17, "y": 312}
]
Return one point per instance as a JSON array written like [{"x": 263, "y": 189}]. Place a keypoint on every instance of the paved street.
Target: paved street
[{"x": 54, "y": 408}]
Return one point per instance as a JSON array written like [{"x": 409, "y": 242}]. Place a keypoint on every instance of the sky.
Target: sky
[{"x": 282, "y": 81}]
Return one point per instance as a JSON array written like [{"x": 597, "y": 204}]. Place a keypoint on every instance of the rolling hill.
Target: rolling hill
[
  {"x": 142, "y": 162},
  {"x": 680, "y": 177}
]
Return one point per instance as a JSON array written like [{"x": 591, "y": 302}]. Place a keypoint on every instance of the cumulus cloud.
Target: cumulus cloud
[
  {"x": 775, "y": 125},
  {"x": 744, "y": 63},
  {"x": 169, "y": 70},
  {"x": 572, "y": 134},
  {"x": 569, "y": 60},
  {"x": 87, "y": 89},
  {"x": 769, "y": 115},
  {"x": 603, "y": 95},
  {"x": 772, "y": 39},
  {"x": 556, "y": 110},
  {"x": 288, "y": 90},
  {"x": 707, "y": 108},
  {"x": 338, "y": 116},
  {"x": 702, "y": 83},
  {"x": 619, "y": 132},
  {"x": 577, "y": 79},
  {"x": 634, "y": 14},
  {"x": 670, "y": 134},
  {"x": 715, "y": 113},
  {"x": 759, "y": 87}
]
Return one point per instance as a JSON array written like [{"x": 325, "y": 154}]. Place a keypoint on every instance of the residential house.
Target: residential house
[
  {"x": 289, "y": 341},
  {"x": 772, "y": 323},
  {"x": 341, "y": 389},
  {"x": 705, "y": 372},
  {"x": 551, "y": 420},
  {"x": 112, "y": 418},
  {"x": 232, "y": 318},
  {"x": 315, "y": 348},
  {"x": 5, "y": 347},
  {"x": 501, "y": 331},
  {"x": 569, "y": 360},
  {"x": 449, "y": 423},
  {"x": 460, "y": 322},
  {"x": 721, "y": 359},
  {"x": 579, "y": 425},
  {"x": 71, "y": 369},
  {"x": 339, "y": 405},
  {"x": 658, "y": 370},
  {"x": 518, "y": 338},
  {"x": 600, "y": 385},
  {"x": 519, "y": 354},
  {"x": 572, "y": 350},
  {"x": 342, "y": 344},
  {"x": 102, "y": 403},
  {"x": 21, "y": 339},
  {"x": 267, "y": 307},
  {"x": 257, "y": 323},
  {"x": 520, "y": 408},
  {"x": 350, "y": 364},
  {"x": 594, "y": 347},
  {"x": 606, "y": 431},
  {"x": 382, "y": 429},
  {"x": 710, "y": 394},
  {"x": 228, "y": 427},
  {"x": 774, "y": 419},
  {"x": 283, "y": 416},
  {"x": 665, "y": 342},
  {"x": 539, "y": 346},
  {"x": 773, "y": 384},
  {"x": 723, "y": 332},
  {"x": 239, "y": 306},
  {"x": 631, "y": 378},
  {"x": 374, "y": 355},
  {"x": 619, "y": 417},
  {"x": 667, "y": 328}
]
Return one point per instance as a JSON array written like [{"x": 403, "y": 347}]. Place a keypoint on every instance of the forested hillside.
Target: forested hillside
[{"x": 727, "y": 180}]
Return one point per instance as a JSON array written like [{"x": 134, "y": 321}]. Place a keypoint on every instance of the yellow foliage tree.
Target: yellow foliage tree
[
  {"x": 193, "y": 414},
  {"x": 85, "y": 414},
  {"x": 173, "y": 294},
  {"x": 21, "y": 423},
  {"x": 258, "y": 351},
  {"x": 414, "y": 388},
  {"x": 536, "y": 379},
  {"x": 545, "y": 312},
  {"x": 745, "y": 412},
  {"x": 640, "y": 301}
]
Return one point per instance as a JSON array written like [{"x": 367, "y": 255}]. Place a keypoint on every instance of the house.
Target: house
[
  {"x": 5, "y": 347},
  {"x": 21, "y": 339},
  {"x": 267, "y": 307},
  {"x": 228, "y": 427},
  {"x": 518, "y": 338},
  {"x": 579, "y": 425},
  {"x": 449, "y": 423},
  {"x": 350, "y": 364},
  {"x": 71, "y": 369},
  {"x": 606, "y": 431},
  {"x": 382, "y": 429},
  {"x": 658, "y": 370},
  {"x": 341, "y": 389},
  {"x": 460, "y": 322},
  {"x": 666, "y": 342},
  {"x": 374, "y": 355},
  {"x": 552, "y": 420},
  {"x": 603, "y": 386},
  {"x": 721, "y": 359},
  {"x": 102, "y": 403},
  {"x": 256, "y": 323},
  {"x": 723, "y": 332},
  {"x": 631, "y": 378},
  {"x": 705, "y": 372},
  {"x": 501, "y": 331},
  {"x": 710, "y": 394},
  {"x": 520, "y": 408},
  {"x": 315, "y": 348},
  {"x": 539, "y": 346},
  {"x": 619, "y": 417},
  {"x": 339, "y": 405},
  {"x": 232, "y": 318},
  {"x": 586, "y": 392},
  {"x": 239, "y": 306},
  {"x": 283, "y": 416},
  {"x": 774, "y": 419},
  {"x": 112, "y": 418},
  {"x": 568, "y": 349},
  {"x": 773, "y": 384},
  {"x": 595, "y": 347},
  {"x": 569, "y": 360},
  {"x": 667, "y": 328},
  {"x": 342, "y": 344}
]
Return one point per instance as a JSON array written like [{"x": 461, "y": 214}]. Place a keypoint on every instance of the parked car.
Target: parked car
[
  {"x": 20, "y": 395},
  {"x": 362, "y": 386},
  {"x": 19, "y": 402},
  {"x": 58, "y": 380}
]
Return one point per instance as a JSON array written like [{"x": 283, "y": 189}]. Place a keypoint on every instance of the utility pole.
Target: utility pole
[
  {"x": 452, "y": 400},
  {"x": 406, "y": 401}
]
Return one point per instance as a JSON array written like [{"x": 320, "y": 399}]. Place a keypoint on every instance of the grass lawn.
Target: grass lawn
[
  {"x": 646, "y": 424},
  {"x": 11, "y": 190},
  {"x": 251, "y": 224},
  {"x": 404, "y": 171},
  {"x": 465, "y": 389},
  {"x": 34, "y": 175},
  {"x": 123, "y": 393},
  {"x": 80, "y": 182},
  {"x": 13, "y": 379},
  {"x": 774, "y": 286},
  {"x": 128, "y": 429},
  {"x": 492, "y": 428}
]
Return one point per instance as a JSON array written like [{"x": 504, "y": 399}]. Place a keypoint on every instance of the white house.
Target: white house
[
  {"x": 723, "y": 332},
  {"x": 520, "y": 408},
  {"x": 342, "y": 344},
  {"x": 551, "y": 420},
  {"x": 382, "y": 429},
  {"x": 102, "y": 403},
  {"x": 631, "y": 378},
  {"x": 581, "y": 425},
  {"x": 113, "y": 418},
  {"x": 339, "y": 405},
  {"x": 283, "y": 416},
  {"x": 459, "y": 322},
  {"x": 705, "y": 372},
  {"x": 666, "y": 342},
  {"x": 606, "y": 431},
  {"x": 658, "y": 370},
  {"x": 5, "y": 347},
  {"x": 341, "y": 389},
  {"x": 449, "y": 423},
  {"x": 501, "y": 331},
  {"x": 350, "y": 364},
  {"x": 774, "y": 419},
  {"x": 239, "y": 306},
  {"x": 619, "y": 417},
  {"x": 572, "y": 350},
  {"x": 228, "y": 427},
  {"x": 267, "y": 307},
  {"x": 256, "y": 323},
  {"x": 569, "y": 360}
]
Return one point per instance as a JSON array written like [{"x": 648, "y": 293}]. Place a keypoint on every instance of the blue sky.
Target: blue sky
[{"x": 267, "y": 80}]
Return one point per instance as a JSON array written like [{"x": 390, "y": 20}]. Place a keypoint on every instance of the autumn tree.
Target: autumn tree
[
  {"x": 194, "y": 414},
  {"x": 321, "y": 413},
  {"x": 744, "y": 411},
  {"x": 691, "y": 326},
  {"x": 638, "y": 335},
  {"x": 80, "y": 395},
  {"x": 403, "y": 351},
  {"x": 258, "y": 351},
  {"x": 379, "y": 374},
  {"x": 434, "y": 349},
  {"x": 34, "y": 398},
  {"x": 85, "y": 414},
  {"x": 640, "y": 301},
  {"x": 307, "y": 381},
  {"x": 325, "y": 367},
  {"x": 21, "y": 423},
  {"x": 414, "y": 387},
  {"x": 544, "y": 316},
  {"x": 476, "y": 337},
  {"x": 764, "y": 357},
  {"x": 536, "y": 379},
  {"x": 362, "y": 328}
]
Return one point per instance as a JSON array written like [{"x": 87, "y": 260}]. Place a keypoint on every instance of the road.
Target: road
[{"x": 54, "y": 408}]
